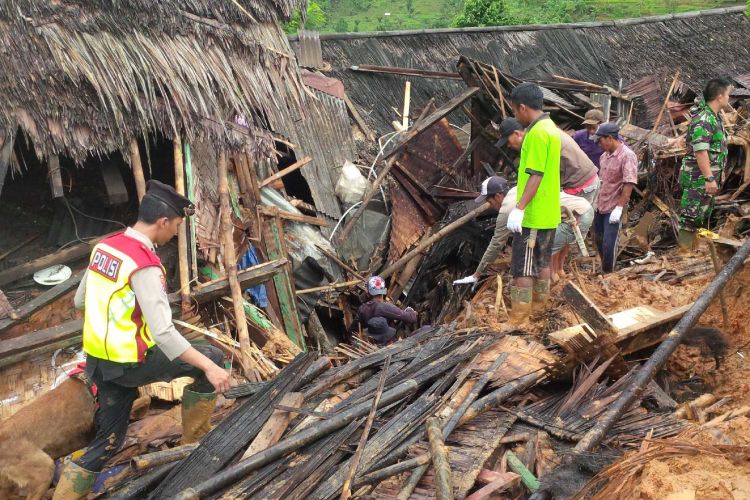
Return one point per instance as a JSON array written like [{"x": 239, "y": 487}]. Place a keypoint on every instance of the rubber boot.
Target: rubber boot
[
  {"x": 685, "y": 241},
  {"x": 540, "y": 297},
  {"x": 75, "y": 482},
  {"x": 520, "y": 305},
  {"x": 196, "y": 414}
]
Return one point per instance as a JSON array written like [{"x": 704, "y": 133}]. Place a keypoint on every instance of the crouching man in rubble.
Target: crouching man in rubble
[
  {"x": 129, "y": 338},
  {"x": 377, "y": 317},
  {"x": 704, "y": 162}
]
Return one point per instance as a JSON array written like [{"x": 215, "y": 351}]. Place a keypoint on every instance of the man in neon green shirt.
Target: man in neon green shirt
[{"x": 537, "y": 211}]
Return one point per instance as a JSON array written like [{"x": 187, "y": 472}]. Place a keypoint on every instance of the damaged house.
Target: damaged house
[{"x": 319, "y": 160}]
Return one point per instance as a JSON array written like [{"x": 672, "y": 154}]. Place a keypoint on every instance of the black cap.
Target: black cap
[
  {"x": 379, "y": 329},
  {"x": 608, "y": 129},
  {"x": 492, "y": 185},
  {"x": 181, "y": 205},
  {"x": 507, "y": 127}
]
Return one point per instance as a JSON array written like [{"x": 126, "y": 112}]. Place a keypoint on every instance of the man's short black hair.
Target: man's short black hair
[
  {"x": 153, "y": 209},
  {"x": 529, "y": 94},
  {"x": 715, "y": 87}
]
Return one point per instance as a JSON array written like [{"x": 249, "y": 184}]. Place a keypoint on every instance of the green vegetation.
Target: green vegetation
[{"x": 386, "y": 15}]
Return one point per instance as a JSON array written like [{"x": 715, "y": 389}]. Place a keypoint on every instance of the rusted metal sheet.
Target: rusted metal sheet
[{"x": 424, "y": 162}]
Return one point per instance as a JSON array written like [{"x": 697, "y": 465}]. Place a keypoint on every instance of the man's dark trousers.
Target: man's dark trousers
[
  {"x": 115, "y": 397},
  {"x": 605, "y": 238}
]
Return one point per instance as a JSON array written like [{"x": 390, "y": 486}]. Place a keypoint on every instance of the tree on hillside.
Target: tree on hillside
[
  {"x": 482, "y": 13},
  {"x": 315, "y": 19}
]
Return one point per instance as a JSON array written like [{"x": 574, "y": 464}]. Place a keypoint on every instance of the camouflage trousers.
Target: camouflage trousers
[{"x": 695, "y": 204}]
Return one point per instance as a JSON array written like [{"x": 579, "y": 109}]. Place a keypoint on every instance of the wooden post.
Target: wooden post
[
  {"x": 55, "y": 177},
  {"x": 230, "y": 261},
  {"x": 281, "y": 173},
  {"x": 443, "y": 481},
  {"x": 137, "y": 167},
  {"x": 190, "y": 186},
  {"x": 407, "y": 104},
  {"x": 182, "y": 241},
  {"x": 273, "y": 238},
  {"x": 277, "y": 423}
]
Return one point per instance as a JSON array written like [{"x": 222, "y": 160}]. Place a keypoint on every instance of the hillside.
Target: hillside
[{"x": 381, "y": 15}]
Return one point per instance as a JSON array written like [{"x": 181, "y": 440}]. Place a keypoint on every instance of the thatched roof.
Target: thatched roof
[
  {"x": 82, "y": 76},
  {"x": 700, "y": 44}
]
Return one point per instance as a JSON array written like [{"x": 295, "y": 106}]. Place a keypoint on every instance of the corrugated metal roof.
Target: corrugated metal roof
[{"x": 323, "y": 133}]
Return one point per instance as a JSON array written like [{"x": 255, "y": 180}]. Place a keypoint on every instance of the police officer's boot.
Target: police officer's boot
[
  {"x": 196, "y": 414},
  {"x": 520, "y": 304},
  {"x": 685, "y": 241},
  {"x": 75, "y": 482},
  {"x": 540, "y": 297}
]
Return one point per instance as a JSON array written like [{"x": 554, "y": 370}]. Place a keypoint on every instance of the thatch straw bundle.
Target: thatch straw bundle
[{"x": 86, "y": 76}]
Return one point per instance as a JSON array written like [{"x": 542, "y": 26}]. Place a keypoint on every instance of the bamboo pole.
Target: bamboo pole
[
  {"x": 666, "y": 101},
  {"x": 346, "y": 492},
  {"x": 190, "y": 187},
  {"x": 443, "y": 482},
  {"x": 660, "y": 357},
  {"x": 294, "y": 442},
  {"x": 182, "y": 250},
  {"x": 328, "y": 288},
  {"x": 454, "y": 421},
  {"x": 137, "y": 167},
  {"x": 527, "y": 477},
  {"x": 432, "y": 239},
  {"x": 230, "y": 261},
  {"x": 281, "y": 173}
]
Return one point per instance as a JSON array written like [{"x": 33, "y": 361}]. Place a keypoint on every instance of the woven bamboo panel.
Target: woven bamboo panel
[{"x": 22, "y": 382}]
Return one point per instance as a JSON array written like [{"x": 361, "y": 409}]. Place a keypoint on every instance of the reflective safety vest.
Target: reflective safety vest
[{"x": 113, "y": 325}]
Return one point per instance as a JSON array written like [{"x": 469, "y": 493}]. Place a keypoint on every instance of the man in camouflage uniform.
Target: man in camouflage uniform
[{"x": 703, "y": 164}]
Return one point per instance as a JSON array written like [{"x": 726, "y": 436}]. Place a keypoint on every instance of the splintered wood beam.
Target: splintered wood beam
[
  {"x": 430, "y": 120},
  {"x": 358, "y": 118},
  {"x": 281, "y": 173},
  {"x": 27, "y": 341}
]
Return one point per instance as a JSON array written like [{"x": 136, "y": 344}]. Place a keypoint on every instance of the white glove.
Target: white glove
[
  {"x": 515, "y": 219},
  {"x": 615, "y": 216},
  {"x": 409, "y": 309},
  {"x": 466, "y": 281}
]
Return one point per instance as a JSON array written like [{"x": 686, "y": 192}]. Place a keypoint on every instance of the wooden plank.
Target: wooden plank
[
  {"x": 275, "y": 249},
  {"x": 70, "y": 254},
  {"x": 430, "y": 120},
  {"x": 392, "y": 70},
  {"x": 247, "y": 278},
  {"x": 117, "y": 193},
  {"x": 586, "y": 309},
  {"x": 42, "y": 300},
  {"x": 307, "y": 219},
  {"x": 55, "y": 177},
  {"x": 281, "y": 173},
  {"x": 500, "y": 482},
  {"x": 64, "y": 331},
  {"x": 277, "y": 423}
]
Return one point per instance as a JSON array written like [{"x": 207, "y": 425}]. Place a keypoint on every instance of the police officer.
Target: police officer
[
  {"x": 704, "y": 162},
  {"x": 129, "y": 338}
]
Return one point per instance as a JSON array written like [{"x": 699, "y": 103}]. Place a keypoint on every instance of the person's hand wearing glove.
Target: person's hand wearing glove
[
  {"x": 468, "y": 280},
  {"x": 515, "y": 220},
  {"x": 615, "y": 216}
]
